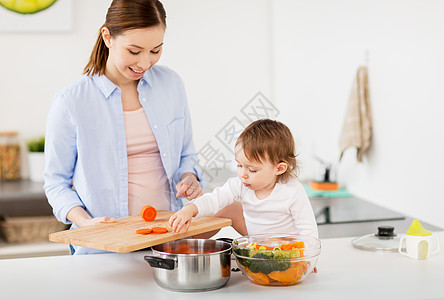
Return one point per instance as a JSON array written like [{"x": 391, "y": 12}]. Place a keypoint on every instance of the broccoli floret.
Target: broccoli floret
[
  {"x": 243, "y": 252},
  {"x": 267, "y": 266}
]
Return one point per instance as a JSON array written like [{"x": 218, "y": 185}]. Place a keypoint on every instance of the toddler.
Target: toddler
[{"x": 273, "y": 200}]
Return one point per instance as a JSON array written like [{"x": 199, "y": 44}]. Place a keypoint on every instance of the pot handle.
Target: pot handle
[
  {"x": 161, "y": 263},
  {"x": 227, "y": 240}
]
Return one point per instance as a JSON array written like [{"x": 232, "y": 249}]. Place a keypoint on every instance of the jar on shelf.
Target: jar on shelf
[{"x": 9, "y": 155}]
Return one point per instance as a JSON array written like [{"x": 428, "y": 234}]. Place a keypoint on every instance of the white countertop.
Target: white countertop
[{"x": 344, "y": 273}]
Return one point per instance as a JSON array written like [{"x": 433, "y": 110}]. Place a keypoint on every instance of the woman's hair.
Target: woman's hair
[
  {"x": 124, "y": 15},
  {"x": 266, "y": 139}
]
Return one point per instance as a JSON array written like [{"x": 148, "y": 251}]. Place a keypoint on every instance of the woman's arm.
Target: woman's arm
[
  {"x": 80, "y": 217},
  {"x": 60, "y": 160}
]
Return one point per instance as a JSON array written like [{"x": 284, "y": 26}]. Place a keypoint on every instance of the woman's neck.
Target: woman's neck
[{"x": 118, "y": 79}]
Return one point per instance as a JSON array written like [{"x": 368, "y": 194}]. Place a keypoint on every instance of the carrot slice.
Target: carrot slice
[
  {"x": 159, "y": 230},
  {"x": 144, "y": 231},
  {"x": 148, "y": 213}
]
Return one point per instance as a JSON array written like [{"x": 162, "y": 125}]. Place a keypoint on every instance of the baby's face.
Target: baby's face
[{"x": 257, "y": 176}]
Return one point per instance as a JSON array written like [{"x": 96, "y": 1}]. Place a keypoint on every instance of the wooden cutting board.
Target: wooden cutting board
[{"x": 120, "y": 236}]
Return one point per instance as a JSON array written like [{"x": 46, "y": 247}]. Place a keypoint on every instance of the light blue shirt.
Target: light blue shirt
[{"x": 86, "y": 142}]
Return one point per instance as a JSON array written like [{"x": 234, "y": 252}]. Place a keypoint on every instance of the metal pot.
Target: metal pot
[{"x": 190, "y": 265}]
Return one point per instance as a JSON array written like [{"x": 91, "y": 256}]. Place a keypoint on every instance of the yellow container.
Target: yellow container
[{"x": 9, "y": 155}]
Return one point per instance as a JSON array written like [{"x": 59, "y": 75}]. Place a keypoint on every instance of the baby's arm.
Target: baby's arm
[
  {"x": 182, "y": 218},
  {"x": 302, "y": 212}
]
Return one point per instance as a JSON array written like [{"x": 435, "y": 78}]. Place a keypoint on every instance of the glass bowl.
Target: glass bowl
[{"x": 276, "y": 259}]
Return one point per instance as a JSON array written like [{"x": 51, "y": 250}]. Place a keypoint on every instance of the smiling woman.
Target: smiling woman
[
  {"x": 27, "y": 6},
  {"x": 109, "y": 134}
]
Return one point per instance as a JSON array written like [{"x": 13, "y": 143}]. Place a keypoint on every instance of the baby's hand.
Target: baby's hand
[{"x": 182, "y": 218}]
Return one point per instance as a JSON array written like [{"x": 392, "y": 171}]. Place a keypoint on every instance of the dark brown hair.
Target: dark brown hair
[
  {"x": 271, "y": 140},
  {"x": 124, "y": 15}
]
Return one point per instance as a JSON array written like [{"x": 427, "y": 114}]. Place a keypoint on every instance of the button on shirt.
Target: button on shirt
[{"x": 86, "y": 154}]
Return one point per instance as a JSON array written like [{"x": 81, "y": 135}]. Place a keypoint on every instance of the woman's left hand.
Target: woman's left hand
[{"x": 189, "y": 187}]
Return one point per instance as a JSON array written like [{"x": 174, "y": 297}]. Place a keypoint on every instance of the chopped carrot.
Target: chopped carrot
[
  {"x": 148, "y": 213},
  {"x": 143, "y": 231},
  {"x": 258, "y": 278},
  {"x": 159, "y": 230},
  {"x": 297, "y": 245},
  {"x": 289, "y": 276}
]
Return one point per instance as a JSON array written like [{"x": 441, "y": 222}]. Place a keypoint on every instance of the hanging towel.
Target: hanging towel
[{"x": 357, "y": 128}]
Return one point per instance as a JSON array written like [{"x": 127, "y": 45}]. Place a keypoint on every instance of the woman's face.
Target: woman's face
[{"x": 133, "y": 52}]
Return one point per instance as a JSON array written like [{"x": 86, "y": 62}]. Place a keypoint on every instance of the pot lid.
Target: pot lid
[{"x": 383, "y": 241}]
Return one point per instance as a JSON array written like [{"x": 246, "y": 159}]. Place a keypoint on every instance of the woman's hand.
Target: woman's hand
[
  {"x": 98, "y": 220},
  {"x": 79, "y": 216},
  {"x": 182, "y": 218},
  {"x": 189, "y": 187}
]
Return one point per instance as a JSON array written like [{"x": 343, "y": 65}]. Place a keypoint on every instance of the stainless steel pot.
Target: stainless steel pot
[{"x": 190, "y": 265}]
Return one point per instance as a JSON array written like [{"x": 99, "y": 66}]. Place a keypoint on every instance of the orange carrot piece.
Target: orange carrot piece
[
  {"x": 289, "y": 276},
  {"x": 144, "y": 231},
  {"x": 159, "y": 230},
  {"x": 148, "y": 213},
  {"x": 258, "y": 278}
]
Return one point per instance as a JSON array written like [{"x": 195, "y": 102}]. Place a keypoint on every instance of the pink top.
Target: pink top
[{"x": 147, "y": 180}]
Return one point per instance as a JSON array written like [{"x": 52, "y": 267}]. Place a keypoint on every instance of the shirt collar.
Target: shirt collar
[{"x": 106, "y": 86}]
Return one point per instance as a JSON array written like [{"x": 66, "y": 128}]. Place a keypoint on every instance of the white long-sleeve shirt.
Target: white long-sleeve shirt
[{"x": 286, "y": 210}]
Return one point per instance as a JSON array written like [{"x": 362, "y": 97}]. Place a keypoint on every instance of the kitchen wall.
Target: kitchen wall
[
  {"x": 219, "y": 48},
  {"x": 318, "y": 46},
  {"x": 302, "y": 55}
]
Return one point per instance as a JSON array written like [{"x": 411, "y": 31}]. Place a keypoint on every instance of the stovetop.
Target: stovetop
[{"x": 349, "y": 210}]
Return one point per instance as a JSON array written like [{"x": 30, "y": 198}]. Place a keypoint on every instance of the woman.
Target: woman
[{"x": 120, "y": 137}]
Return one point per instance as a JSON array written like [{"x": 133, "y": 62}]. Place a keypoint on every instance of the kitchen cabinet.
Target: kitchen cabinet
[
  {"x": 344, "y": 272},
  {"x": 26, "y": 198},
  {"x": 23, "y": 197}
]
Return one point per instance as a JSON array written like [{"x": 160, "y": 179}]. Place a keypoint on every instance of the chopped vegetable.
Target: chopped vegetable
[
  {"x": 143, "y": 231},
  {"x": 148, "y": 213},
  {"x": 265, "y": 265},
  {"x": 159, "y": 230},
  {"x": 271, "y": 263},
  {"x": 291, "y": 275},
  {"x": 258, "y": 278}
]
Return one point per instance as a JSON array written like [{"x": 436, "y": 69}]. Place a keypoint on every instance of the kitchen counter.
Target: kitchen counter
[{"x": 343, "y": 273}]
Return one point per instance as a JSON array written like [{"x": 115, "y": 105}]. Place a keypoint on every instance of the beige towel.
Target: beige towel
[{"x": 357, "y": 128}]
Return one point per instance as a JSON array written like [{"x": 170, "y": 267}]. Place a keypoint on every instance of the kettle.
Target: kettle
[{"x": 419, "y": 242}]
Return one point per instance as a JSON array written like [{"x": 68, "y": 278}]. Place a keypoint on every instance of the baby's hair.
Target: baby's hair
[{"x": 271, "y": 140}]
